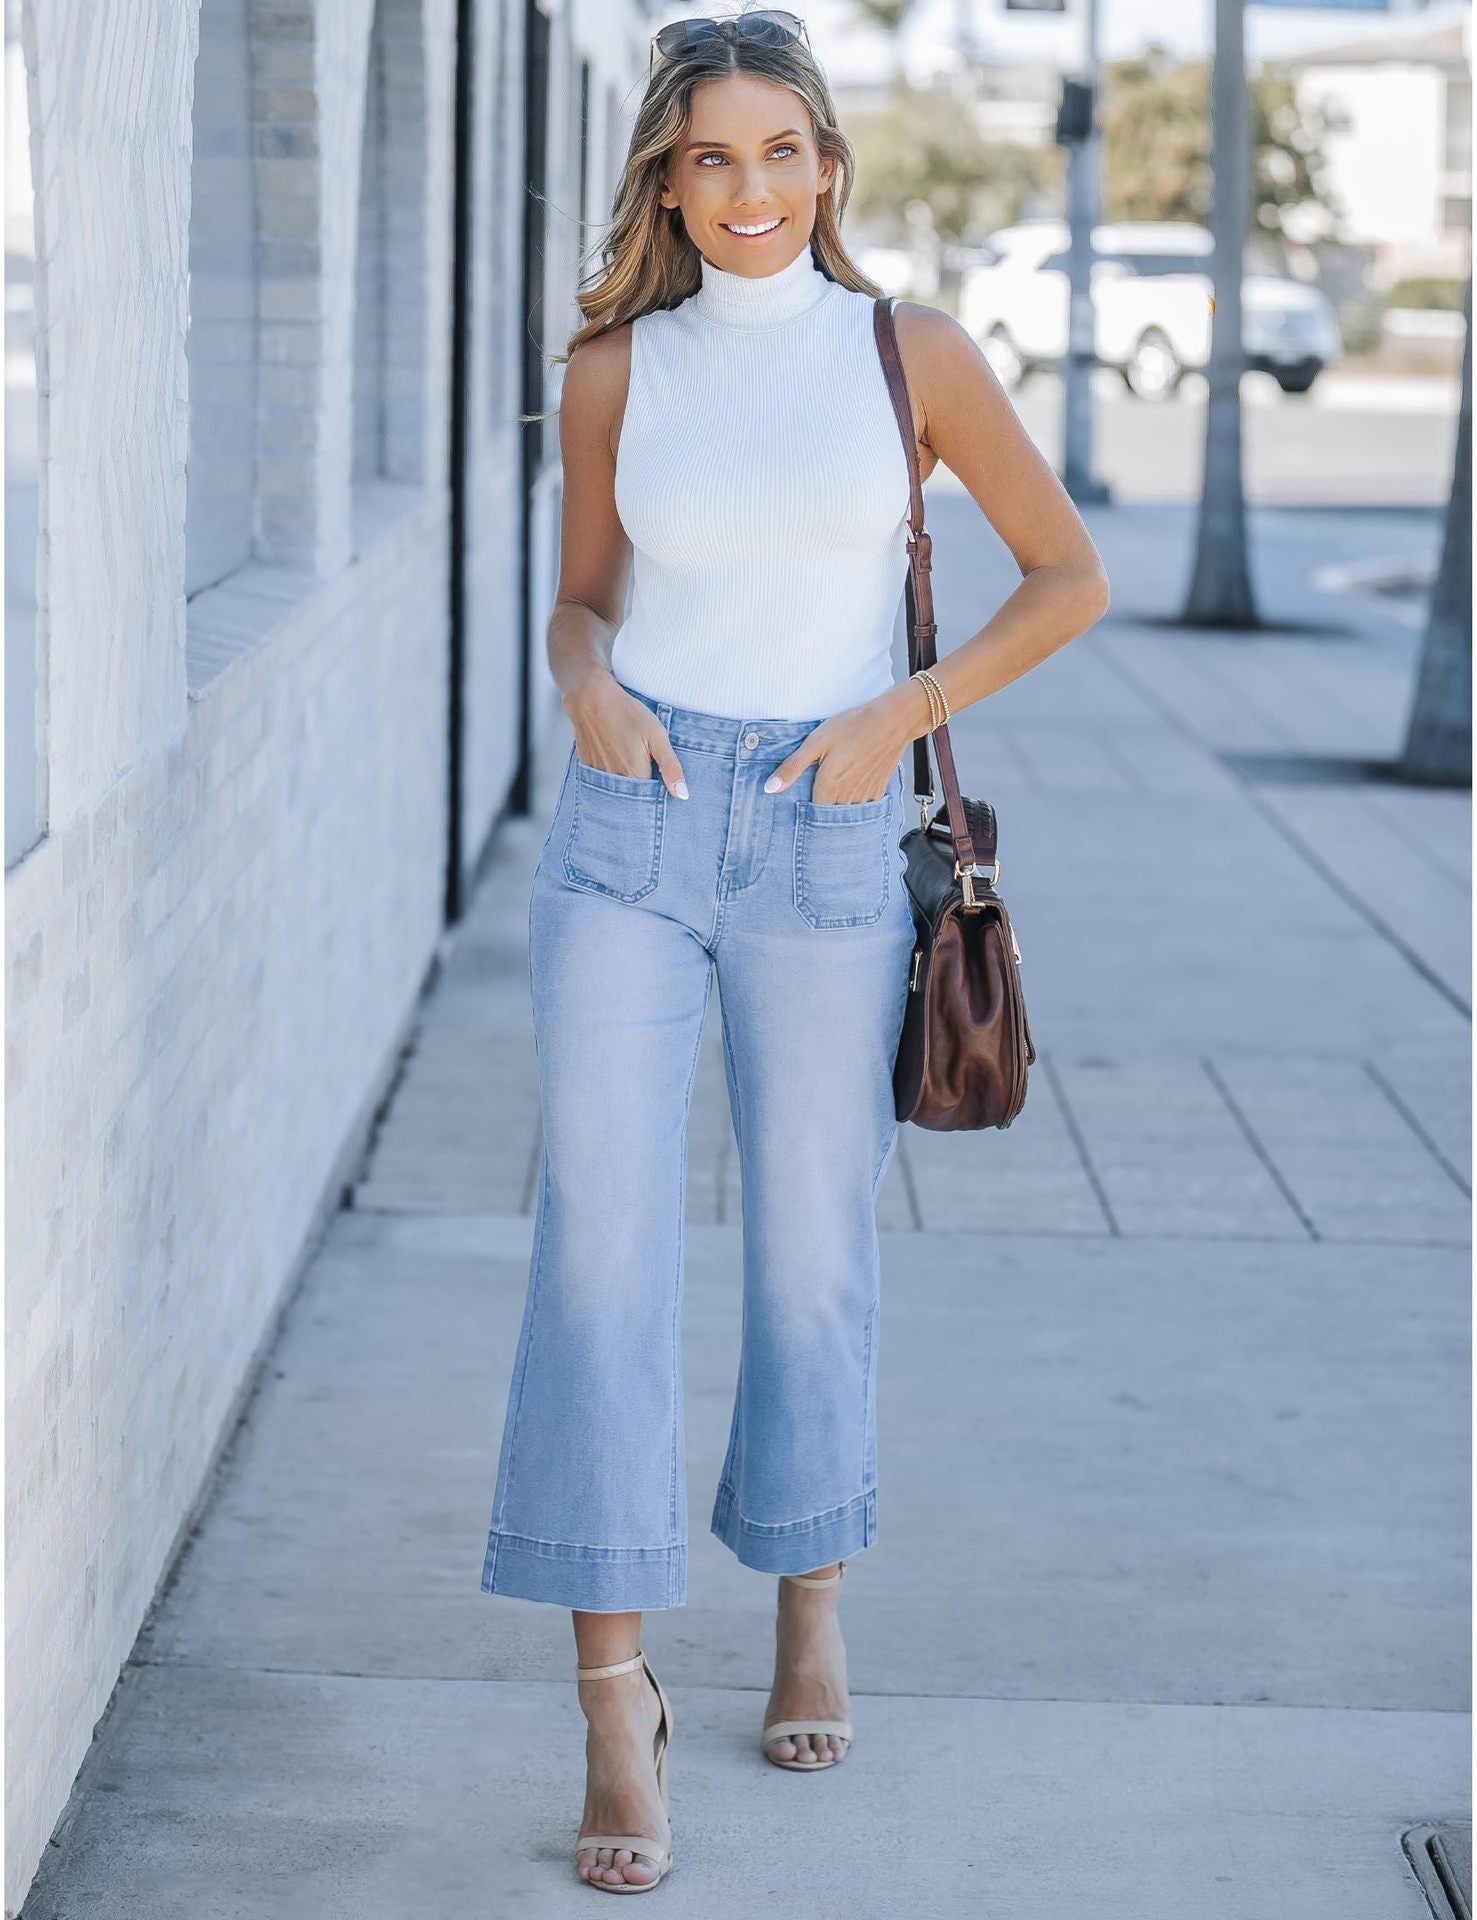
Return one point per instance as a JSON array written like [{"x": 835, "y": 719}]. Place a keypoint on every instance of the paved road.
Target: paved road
[
  {"x": 1168, "y": 1609},
  {"x": 1357, "y": 440}
]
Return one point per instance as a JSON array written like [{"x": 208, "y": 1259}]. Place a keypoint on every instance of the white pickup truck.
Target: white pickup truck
[{"x": 1151, "y": 296}]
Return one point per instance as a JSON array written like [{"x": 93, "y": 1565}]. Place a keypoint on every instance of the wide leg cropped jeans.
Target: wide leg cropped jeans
[{"x": 637, "y": 900}]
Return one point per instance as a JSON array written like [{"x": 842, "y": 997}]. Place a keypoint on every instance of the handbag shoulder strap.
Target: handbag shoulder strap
[{"x": 918, "y": 591}]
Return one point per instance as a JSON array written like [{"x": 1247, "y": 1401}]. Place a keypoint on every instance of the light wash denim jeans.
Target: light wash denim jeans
[{"x": 637, "y": 898}]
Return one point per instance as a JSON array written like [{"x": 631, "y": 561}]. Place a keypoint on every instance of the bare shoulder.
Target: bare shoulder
[
  {"x": 959, "y": 394},
  {"x": 943, "y": 361},
  {"x": 931, "y": 329},
  {"x": 592, "y": 401},
  {"x": 971, "y": 427}
]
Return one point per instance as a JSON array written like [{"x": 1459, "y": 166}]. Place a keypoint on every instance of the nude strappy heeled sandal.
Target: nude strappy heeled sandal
[
  {"x": 782, "y": 1729},
  {"x": 642, "y": 1843}
]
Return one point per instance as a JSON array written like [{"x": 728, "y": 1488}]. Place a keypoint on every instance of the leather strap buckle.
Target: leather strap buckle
[{"x": 976, "y": 870}]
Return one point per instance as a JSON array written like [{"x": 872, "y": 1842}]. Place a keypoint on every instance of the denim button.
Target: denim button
[{"x": 751, "y": 739}]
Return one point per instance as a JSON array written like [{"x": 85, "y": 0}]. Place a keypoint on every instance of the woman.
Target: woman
[{"x": 725, "y": 418}]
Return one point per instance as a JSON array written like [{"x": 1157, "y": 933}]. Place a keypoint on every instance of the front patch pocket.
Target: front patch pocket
[
  {"x": 842, "y": 870},
  {"x": 614, "y": 843}
]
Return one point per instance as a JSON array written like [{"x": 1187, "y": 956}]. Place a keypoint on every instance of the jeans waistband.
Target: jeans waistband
[{"x": 721, "y": 730}]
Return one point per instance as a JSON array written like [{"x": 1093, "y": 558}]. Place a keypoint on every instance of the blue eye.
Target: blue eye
[{"x": 785, "y": 146}]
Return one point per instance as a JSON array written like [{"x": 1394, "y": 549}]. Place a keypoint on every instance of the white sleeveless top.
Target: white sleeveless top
[{"x": 762, "y": 480}]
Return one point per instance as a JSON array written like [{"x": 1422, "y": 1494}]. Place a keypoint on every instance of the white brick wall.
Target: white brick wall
[
  {"x": 212, "y": 952},
  {"x": 209, "y": 973}
]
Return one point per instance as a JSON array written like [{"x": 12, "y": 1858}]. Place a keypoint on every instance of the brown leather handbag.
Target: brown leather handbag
[{"x": 965, "y": 1045}]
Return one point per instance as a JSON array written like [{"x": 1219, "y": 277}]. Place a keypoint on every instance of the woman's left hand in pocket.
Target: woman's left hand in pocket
[{"x": 855, "y": 752}]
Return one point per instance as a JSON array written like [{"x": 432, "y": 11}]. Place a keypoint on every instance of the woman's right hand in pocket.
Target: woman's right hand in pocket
[{"x": 615, "y": 733}]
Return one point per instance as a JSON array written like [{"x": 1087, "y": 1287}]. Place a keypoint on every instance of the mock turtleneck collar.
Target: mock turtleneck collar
[{"x": 758, "y": 300}]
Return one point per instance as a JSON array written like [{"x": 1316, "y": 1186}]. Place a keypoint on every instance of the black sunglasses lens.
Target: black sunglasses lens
[
  {"x": 769, "y": 29},
  {"x": 765, "y": 29},
  {"x": 682, "y": 34}
]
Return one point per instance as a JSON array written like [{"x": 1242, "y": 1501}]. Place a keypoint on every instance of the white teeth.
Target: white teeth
[{"x": 768, "y": 227}]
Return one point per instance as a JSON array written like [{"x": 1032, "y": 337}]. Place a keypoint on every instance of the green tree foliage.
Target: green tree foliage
[
  {"x": 925, "y": 145},
  {"x": 888, "y": 15},
  {"x": 1155, "y": 117}
]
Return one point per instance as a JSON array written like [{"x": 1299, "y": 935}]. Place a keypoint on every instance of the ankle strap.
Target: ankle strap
[
  {"x": 620, "y": 1666},
  {"x": 816, "y": 1579}
]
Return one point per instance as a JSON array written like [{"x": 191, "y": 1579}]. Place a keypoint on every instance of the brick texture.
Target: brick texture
[{"x": 212, "y": 951}]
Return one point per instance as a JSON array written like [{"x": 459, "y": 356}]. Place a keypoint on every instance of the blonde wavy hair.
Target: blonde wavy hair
[{"x": 647, "y": 261}]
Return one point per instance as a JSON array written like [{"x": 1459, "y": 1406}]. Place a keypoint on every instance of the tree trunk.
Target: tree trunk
[
  {"x": 1438, "y": 740},
  {"x": 1220, "y": 586}
]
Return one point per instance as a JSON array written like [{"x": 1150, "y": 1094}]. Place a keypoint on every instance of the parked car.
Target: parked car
[{"x": 1151, "y": 296}]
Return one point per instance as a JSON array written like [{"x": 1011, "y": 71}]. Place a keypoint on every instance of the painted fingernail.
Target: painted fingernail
[
  {"x": 773, "y": 783},
  {"x": 680, "y": 789}
]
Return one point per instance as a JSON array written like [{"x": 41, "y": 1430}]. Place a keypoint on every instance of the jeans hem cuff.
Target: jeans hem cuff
[
  {"x": 590, "y": 1579},
  {"x": 798, "y": 1545}
]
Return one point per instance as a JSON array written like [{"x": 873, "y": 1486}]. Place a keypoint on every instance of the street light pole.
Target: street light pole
[{"x": 1084, "y": 197}]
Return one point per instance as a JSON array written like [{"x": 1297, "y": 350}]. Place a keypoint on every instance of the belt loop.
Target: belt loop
[{"x": 664, "y": 714}]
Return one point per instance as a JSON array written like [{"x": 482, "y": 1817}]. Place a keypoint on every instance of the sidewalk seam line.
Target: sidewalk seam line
[
  {"x": 1355, "y": 901},
  {"x": 1411, "y": 1120},
  {"x": 1001, "y": 1699},
  {"x": 1254, "y": 1141},
  {"x": 1053, "y": 1080}
]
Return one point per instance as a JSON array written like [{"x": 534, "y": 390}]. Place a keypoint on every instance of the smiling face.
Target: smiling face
[{"x": 748, "y": 159}]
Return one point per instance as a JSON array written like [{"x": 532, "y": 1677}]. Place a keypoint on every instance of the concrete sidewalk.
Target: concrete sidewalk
[{"x": 1168, "y": 1609}]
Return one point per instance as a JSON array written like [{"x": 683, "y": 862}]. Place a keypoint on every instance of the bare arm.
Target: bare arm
[
  {"x": 612, "y": 731},
  {"x": 969, "y": 424},
  {"x": 595, "y": 555},
  {"x": 972, "y": 427}
]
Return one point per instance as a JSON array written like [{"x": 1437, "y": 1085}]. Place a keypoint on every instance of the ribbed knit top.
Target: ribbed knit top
[{"x": 761, "y": 478}]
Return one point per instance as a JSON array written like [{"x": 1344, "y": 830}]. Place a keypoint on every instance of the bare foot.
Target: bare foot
[
  {"x": 621, "y": 1794},
  {"x": 809, "y": 1671}
]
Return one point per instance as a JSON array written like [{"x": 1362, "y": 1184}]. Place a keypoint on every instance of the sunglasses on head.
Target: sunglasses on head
[{"x": 772, "y": 27}]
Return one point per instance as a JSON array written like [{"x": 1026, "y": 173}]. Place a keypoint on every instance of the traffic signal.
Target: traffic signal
[{"x": 1074, "y": 114}]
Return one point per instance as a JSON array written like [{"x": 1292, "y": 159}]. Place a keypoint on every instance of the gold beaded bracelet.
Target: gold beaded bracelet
[
  {"x": 938, "y": 705},
  {"x": 938, "y": 685}
]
